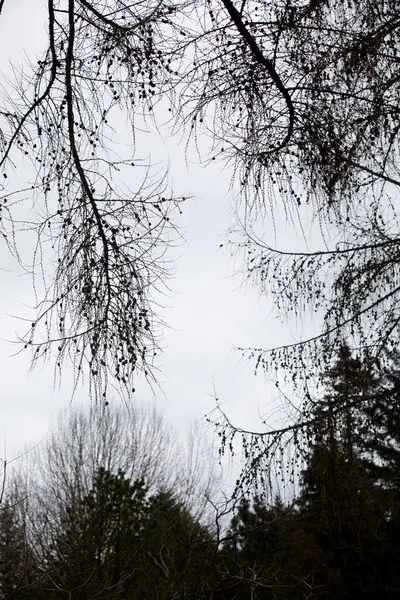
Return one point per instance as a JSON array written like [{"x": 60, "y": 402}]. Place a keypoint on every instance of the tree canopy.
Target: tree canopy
[{"x": 302, "y": 96}]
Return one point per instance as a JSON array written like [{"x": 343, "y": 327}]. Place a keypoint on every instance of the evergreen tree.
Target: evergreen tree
[
  {"x": 381, "y": 443},
  {"x": 382, "y": 439},
  {"x": 272, "y": 542},
  {"x": 177, "y": 553},
  {"x": 120, "y": 543},
  {"x": 341, "y": 499},
  {"x": 351, "y": 386},
  {"x": 93, "y": 553},
  {"x": 341, "y": 540},
  {"x": 17, "y": 564}
]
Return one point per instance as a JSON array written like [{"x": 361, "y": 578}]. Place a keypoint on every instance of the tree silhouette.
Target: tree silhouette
[
  {"x": 303, "y": 97},
  {"x": 93, "y": 553},
  {"x": 340, "y": 540},
  {"x": 106, "y": 241}
]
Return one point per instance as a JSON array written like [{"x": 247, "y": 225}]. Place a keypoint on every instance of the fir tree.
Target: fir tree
[
  {"x": 94, "y": 551},
  {"x": 341, "y": 499}
]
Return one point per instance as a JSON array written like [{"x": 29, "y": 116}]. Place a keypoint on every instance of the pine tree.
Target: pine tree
[
  {"x": 253, "y": 541},
  {"x": 93, "y": 553},
  {"x": 273, "y": 542},
  {"x": 341, "y": 541},
  {"x": 342, "y": 502},
  {"x": 351, "y": 386},
  {"x": 382, "y": 440}
]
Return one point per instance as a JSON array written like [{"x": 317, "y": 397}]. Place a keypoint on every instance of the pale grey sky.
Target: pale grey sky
[{"x": 207, "y": 311}]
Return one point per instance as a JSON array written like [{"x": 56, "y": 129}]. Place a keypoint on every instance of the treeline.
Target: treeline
[
  {"x": 111, "y": 508},
  {"x": 112, "y": 505}
]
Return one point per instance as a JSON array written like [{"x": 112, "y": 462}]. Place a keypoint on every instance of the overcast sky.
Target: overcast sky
[{"x": 207, "y": 311}]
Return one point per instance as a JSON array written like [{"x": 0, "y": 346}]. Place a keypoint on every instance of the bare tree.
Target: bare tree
[
  {"x": 99, "y": 244},
  {"x": 138, "y": 443},
  {"x": 304, "y": 96}
]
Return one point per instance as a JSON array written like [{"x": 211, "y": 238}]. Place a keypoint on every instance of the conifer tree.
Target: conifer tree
[
  {"x": 93, "y": 553},
  {"x": 17, "y": 564},
  {"x": 342, "y": 501},
  {"x": 120, "y": 542},
  {"x": 382, "y": 439}
]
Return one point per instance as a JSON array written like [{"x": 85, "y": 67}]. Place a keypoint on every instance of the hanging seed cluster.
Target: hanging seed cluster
[
  {"x": 106, "y": 241},
  {"x": 304, "y": 99}
]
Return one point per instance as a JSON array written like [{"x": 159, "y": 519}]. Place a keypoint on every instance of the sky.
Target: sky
[{"x": 208, "y": 312}]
